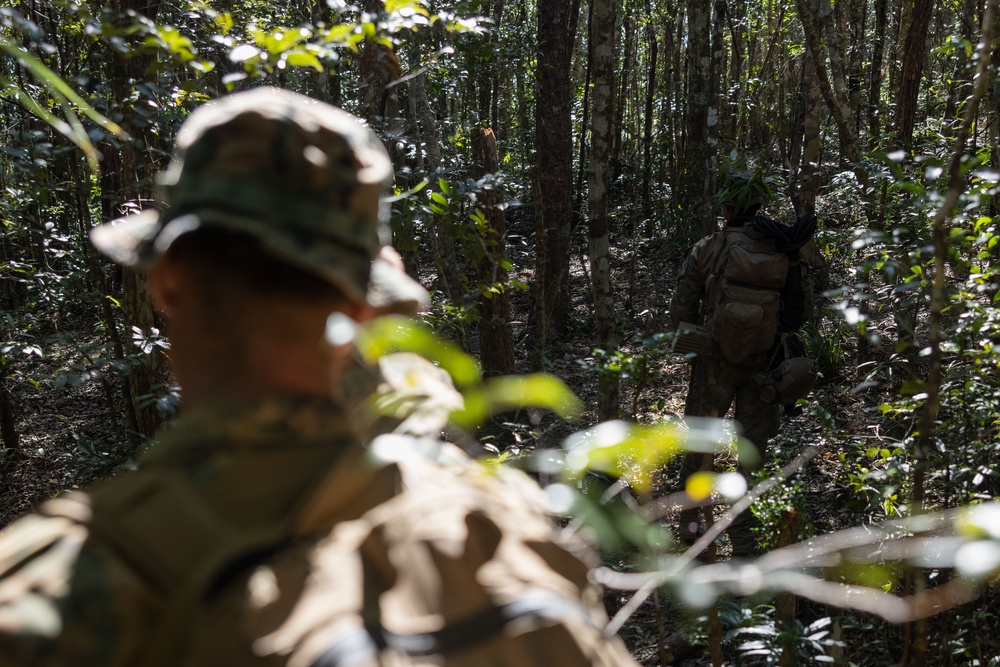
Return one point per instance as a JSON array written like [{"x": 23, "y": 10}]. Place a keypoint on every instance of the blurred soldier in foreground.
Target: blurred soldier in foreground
[
  {"x": 260, "y": 530},
  {"x": 739, "y": 298}
]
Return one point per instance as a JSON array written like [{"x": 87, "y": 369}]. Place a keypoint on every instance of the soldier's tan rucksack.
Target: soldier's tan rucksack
[
  {"x": 745, "y": 274},
  {"x": 408, "y": 553}
]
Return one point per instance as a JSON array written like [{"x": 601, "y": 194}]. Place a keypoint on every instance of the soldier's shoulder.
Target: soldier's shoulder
[
  {"x": 703, "y": 242},
  {"x": 38, "y": 557}
]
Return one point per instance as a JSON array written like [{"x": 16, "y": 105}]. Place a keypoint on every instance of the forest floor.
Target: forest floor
[{"x": 68, "y": 440}]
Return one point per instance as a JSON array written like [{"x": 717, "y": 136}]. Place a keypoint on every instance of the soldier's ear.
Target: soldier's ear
[
  {"x": 361, "y": 312},
  {"x": 164, "y": 286}
]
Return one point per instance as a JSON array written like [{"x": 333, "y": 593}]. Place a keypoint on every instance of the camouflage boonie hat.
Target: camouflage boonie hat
[{"x": 301, "y": 176}]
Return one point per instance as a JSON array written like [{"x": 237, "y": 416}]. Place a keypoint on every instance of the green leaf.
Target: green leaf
[
  {"x": 637, "y": 452},
  {"x": 412, "y": 191},
  {"x": 911, "y": 387},
  {"x": 400, "y": 334},
  {"x": 511, "y": 392},
  {"x": 304, "y": 59},
  {"x": 406, "y": 7},
  {"x": 340, "y": 34},
  {"x": 224, "y": 22},
  {"x": 65, "y": 97}
]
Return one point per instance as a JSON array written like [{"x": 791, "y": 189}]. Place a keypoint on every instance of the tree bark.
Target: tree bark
[
  {"x": 496, "y": 338},
  {"x": 805, "y": 183},
  {"x": 378, "y": 68},
  {"x": 697, "y": 193},
  {"x": 875, "y": 77},
  {"x": 815, "y": 15},
  {"x": 647, "y": 127},
  {"x": 554, "y": 170},
  {"x": 914, "y": 55},
  {"x": 8, "y": 428},
  {"x": 149, "y": 375},
  {"x": 602, "y": 49},
  {"x": 428, "y": 159},
  {"x": 940, "y": 234}
]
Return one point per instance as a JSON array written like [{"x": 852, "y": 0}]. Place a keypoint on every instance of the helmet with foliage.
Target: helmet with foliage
[{"x": 743, "y": 190}]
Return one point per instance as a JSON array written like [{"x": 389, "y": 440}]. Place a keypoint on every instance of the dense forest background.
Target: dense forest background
[{"x": 554, "y": 162}]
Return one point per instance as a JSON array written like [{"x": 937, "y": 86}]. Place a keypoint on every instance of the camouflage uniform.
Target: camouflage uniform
[
  {"x": 716, "y": 384},
  {"x": 266, "y": 532},
  {"x": 263, "y": 552}
]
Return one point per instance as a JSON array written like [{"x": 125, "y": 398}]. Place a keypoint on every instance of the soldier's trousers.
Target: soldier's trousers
[{"x": 714, "y": 387}]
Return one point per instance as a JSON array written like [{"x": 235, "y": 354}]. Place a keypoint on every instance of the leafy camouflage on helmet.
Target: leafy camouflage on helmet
[
  {"x": 301, "y": 176},
  {"x": 743, "y": 190}
]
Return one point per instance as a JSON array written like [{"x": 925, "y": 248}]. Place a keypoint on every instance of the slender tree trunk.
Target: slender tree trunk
[
  {"x": 602, "y": 48},
  {"x": 103, "y": 289},
  {"x": 150, "y": 373},
  {"x": 8, "y": 429},
  {"x": 741, "y": 49},
  {"x": 496, "y": 339},
  {"x": 428, "y": 159},
  {"x": 875, "y": 73},
  {"x": 911, "y": 73},
  {"x": 855, "y": 14},
  {"x": 716, "y": 68},
  {"x": 582, "y": 160},
  {"x": 620, "y": 97},
  {"x": 789, "y": 525},
  {"x": 677, "y": 139},
  {"x": 820, "y": 40},
  {"x": 647, "y": 127},
  {"x": 940, "y": 233},
  {"x": 554, "y": 139},
  {"x": 806, "y": 184},
  {"x": 697, "y": 194}
]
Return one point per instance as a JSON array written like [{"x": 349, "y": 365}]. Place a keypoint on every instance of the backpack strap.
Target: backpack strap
[{"x": 366, "y": 643}]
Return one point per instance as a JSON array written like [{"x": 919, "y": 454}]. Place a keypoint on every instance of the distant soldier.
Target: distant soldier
[
  {"x": 261, "y": 530},
  {"x": 738, "y": 298}
]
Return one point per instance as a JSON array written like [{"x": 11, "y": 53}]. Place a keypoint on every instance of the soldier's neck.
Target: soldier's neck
[{"x": 255, "y": 372}]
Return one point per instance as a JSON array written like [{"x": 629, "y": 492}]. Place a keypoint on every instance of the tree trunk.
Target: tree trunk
[
  {"x": 554, "y": 140},
  {"x": 580, "y": 192},
  {"x": 914, "y": 55},
  {"x": 875, "y": 81},
  {"x": 149, "y": 375},
  {"x": 789, "y": 525},
  {"x": 815, "y": 15},
  {"x": 851, "y": 23},
  {"x": 378, "y": 68},
  {"x": 496, "y": 339},
  {"x": 8, "y": 429},
  {"x": 647, "y": 127},
  {"x": 805, "y": 183},
  {"x": 698, "y": 175},
  {"x": 602, "y": 49},
  {"x": 428, "y": 159},
  {"x": 716, "y": 67}
]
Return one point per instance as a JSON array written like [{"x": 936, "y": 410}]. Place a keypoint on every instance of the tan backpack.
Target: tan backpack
[
  {"x": 430, "y": 558},
  {"x": 745, "y": 274}
]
